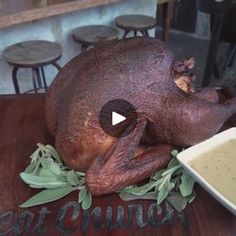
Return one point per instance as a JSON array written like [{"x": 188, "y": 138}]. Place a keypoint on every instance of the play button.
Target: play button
[{"x": 118, "y": 118}]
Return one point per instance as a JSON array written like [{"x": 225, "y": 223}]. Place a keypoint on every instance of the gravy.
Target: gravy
[{"x": 218, "y": 167}]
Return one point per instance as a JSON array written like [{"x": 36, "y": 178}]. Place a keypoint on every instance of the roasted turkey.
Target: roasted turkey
[{"x": 143, "y": 72}]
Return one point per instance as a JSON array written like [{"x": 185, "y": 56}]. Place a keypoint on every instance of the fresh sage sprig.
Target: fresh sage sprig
[
  {"x": 172, "y": 184},
  {"x": 46, "y": 170}
]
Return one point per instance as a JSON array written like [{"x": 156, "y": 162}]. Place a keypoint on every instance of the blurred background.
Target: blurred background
[{"x": 203, "y": 29}]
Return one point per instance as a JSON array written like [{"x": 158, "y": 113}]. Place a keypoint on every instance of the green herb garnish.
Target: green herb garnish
[
  {"x": 47, "y": 171},
  {"x": 172, "y": 184}
]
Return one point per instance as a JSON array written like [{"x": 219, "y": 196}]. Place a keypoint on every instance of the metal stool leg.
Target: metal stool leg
[
  {"x": 57, "y": 66},
  {"x": 38, "y": 77},
  {"x": 14, "y": 79},
  {"x": 84, "y": 47},
  {"x": 125, "y": 34},
  {"x": 146, "y": 32},
  {"x": 34, "y": 80},
  {"x": 44, "y": 79},
  {"x": 143, "y": 32}
]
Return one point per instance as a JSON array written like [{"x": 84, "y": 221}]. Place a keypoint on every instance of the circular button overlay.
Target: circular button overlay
[{"x": 118, "y": 118}]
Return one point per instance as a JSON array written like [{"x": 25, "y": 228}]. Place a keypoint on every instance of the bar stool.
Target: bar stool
[
  {"x": 91, "y": 34},
  {"x": 35, "y": 55},
  {"x": 135, "y": 23}
]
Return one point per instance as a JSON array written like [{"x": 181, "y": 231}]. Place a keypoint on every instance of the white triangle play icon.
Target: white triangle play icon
[{"x": 117, "y": 118}]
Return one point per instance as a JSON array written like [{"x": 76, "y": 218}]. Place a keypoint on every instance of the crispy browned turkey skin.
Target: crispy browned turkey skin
[{"x": 142, "y": 71}]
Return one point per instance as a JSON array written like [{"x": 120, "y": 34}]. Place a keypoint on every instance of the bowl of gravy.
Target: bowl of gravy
[{"x": 212, "y": 164}]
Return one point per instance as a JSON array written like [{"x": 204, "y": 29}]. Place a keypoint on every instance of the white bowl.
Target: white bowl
[{"x": 195, "y": 151}]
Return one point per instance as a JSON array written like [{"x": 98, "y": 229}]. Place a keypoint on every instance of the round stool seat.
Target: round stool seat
[
  {"x": 33, "y": 53},
  {"x": 91, "y": 34},
  {"x": 135, "y": 22}
]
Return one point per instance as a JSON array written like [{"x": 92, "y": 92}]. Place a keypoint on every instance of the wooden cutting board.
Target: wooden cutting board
[{"x": 22, "y": 125}]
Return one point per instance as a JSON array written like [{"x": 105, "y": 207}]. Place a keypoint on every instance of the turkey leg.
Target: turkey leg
[{"x": 125, "y": 163}]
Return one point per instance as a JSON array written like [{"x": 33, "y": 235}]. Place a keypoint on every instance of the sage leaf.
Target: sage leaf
[
  {"x": 35, "y": 155},
  {"x": 174, "y": 153},
  {"x": 175, "y": 180},
  {"x": 129, "y": 196},
  {"x": 32, "y": 179},
  {"x": 172, "y": 163},
  {"x": 163, "y": 181},
  {"x": 31, "y": 167},
  {"x": 177, "y": 201},
  {"x": 33, "y": 186},
  {"x": 46, "y": 196},
  {"x": 48, "y": 173},
  {"x": 45, "y": 173},
  {"x": 52, "y": 185},
  {"x": 82, "y": 182},
  {"x": 164, "y": 192},
  {"x": 158, "y": 175},
  {"x": 87, "y": 201},
  {"x": 41, "y": 148},
  {"x": 49, "y": 164},
  {"x": 191, "y": 197},
  {"x": 187, "y": 183},
  {"x": 42, "y": 181},
  {"x": 82, "y": 194},
  {"x": 126, "y": 189},
  {"x": 171, "y": 170},
  {"x": 72, "y": 178},
  {"x": 141, "y": 190},
  {"x": 80, "y": 174},
  {"x": 53, "y": 152},
  {"x": 36, "y": 169}
]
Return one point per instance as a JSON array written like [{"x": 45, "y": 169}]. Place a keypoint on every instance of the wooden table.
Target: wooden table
[
  {"x": 15, "y": 12},
  {"x": 22, "y": 126}
]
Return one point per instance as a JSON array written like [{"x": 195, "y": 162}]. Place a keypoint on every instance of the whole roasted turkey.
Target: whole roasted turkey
[{"x": 143, "y": 72}]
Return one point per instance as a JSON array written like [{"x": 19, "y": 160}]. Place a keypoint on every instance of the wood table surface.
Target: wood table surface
[{"x": 22, "y": 126}]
